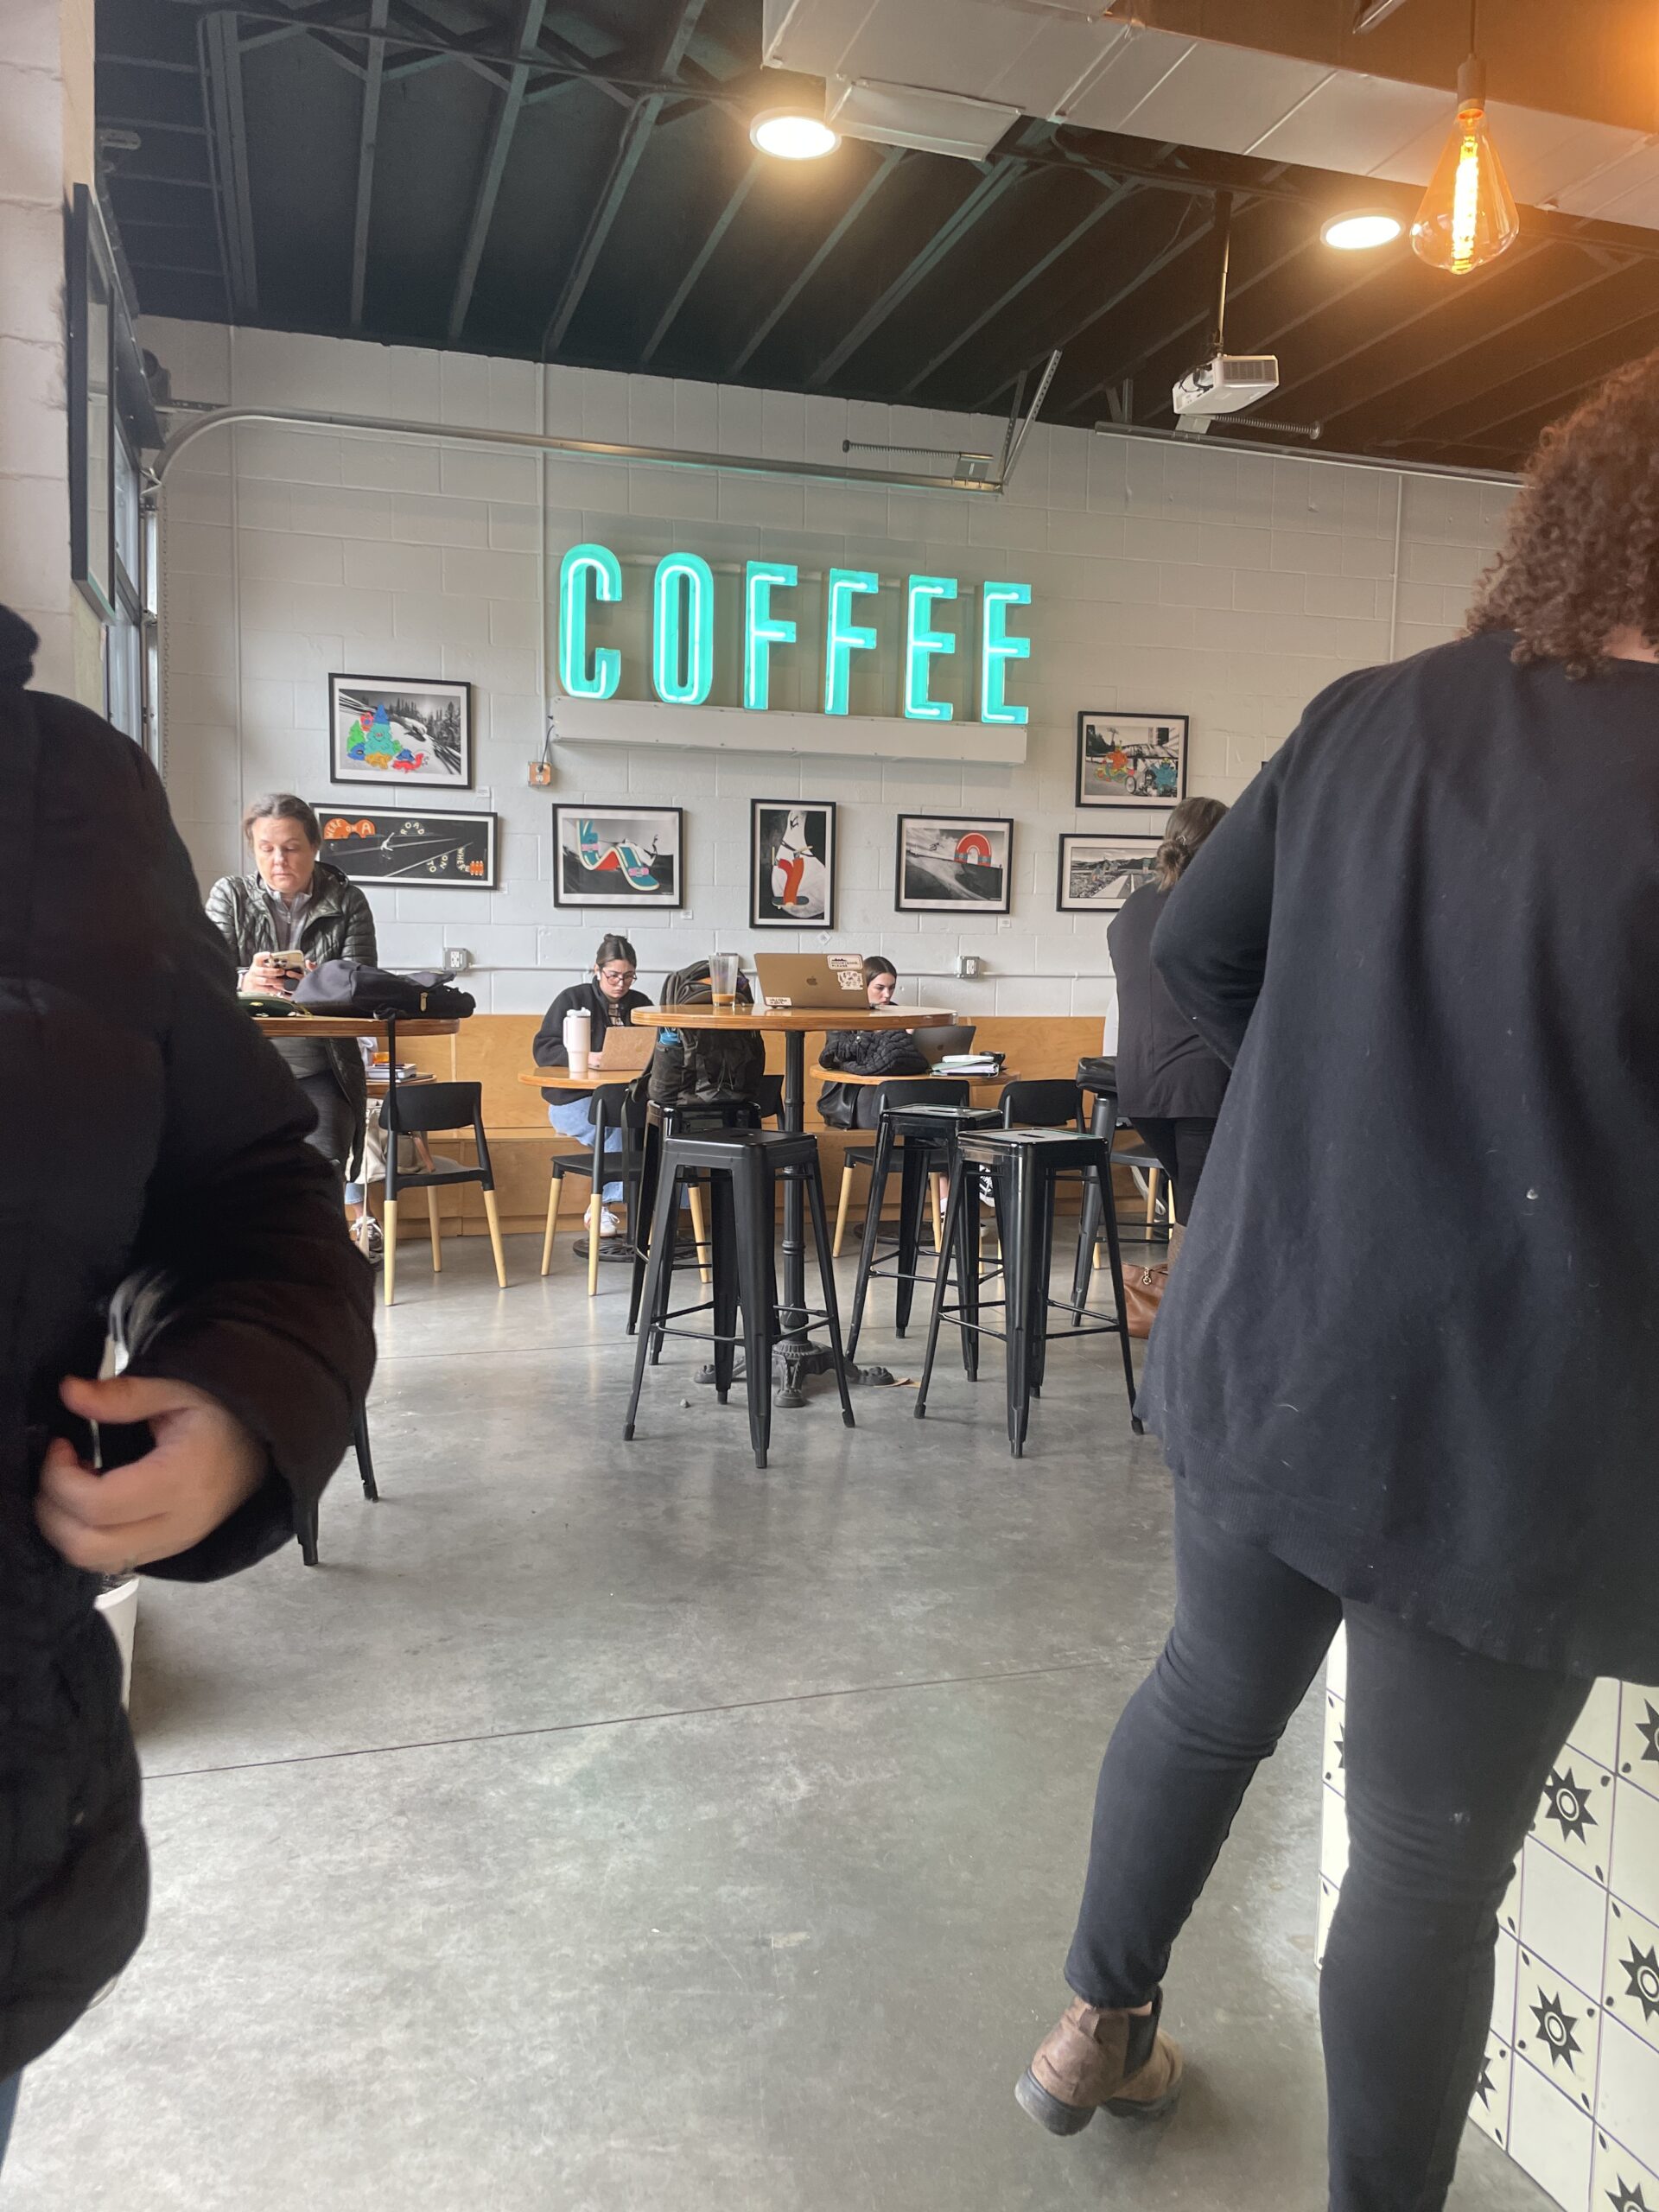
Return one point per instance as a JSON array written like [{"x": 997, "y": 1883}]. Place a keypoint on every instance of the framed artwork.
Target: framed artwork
[
  {"x": 792, "y": 863},
  {"x": 619, "y": 856},
  {"x": 1129, "y": 759},
  {"x": 1097, "y": 874},
  {"x": 947, "y": 862},
  {"x": 400, "y": 731},
  {"x": 439, "y": 852},
  {"x": 90, "y": 299}
]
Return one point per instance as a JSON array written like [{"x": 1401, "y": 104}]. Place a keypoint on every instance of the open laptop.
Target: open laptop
[
  {"x": 934, "y": 1041},
  {"x": 810, "y": 979},
  {"x": 626, "y": 1050}
]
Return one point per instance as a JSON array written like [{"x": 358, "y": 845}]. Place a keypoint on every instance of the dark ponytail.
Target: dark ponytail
[{"x": 1188, "y": 825}]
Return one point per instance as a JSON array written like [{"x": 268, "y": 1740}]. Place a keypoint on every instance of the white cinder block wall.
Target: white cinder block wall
[{"x": 1227, "y": 587}]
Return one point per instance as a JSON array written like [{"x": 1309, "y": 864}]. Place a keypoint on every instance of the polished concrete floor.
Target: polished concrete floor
[{"x": 606, "y": 1826}]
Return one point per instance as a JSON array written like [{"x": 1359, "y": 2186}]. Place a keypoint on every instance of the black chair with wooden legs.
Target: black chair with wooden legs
[
  {"x": 410, "y": 1111},
  {"x": 743, "y": 1168},
  {"x": 306, "y": 1521},
  {"x": 920, "y": 1143},
  {"x": 1026, "y": 1166}
]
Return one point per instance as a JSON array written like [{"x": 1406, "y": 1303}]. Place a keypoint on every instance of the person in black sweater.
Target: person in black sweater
[
  {"x": 1405, "y": 1374},
  {"x": 1169, "y": 1082},
  {"x": 609, "y": 998},
  {"x": 867, "y": 1051}
]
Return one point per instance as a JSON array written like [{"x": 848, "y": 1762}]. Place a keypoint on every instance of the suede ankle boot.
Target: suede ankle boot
[{"x": 1090, "y": 2058}]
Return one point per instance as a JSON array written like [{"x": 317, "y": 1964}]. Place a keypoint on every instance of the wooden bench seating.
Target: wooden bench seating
[{"x": 492, "y": 1048}]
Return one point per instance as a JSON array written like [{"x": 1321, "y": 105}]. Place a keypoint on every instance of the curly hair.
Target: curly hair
[{"x": 1582, "y": 557}]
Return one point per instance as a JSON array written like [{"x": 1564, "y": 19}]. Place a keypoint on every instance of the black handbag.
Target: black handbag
[
  {"x": 346, "y": 987},
  {"x": 838, "y": 1106}
]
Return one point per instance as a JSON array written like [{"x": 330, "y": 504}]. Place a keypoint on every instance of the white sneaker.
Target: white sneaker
[
  {"x": 608, "y": 1224},
  {"x": 370, "y": 1238}
]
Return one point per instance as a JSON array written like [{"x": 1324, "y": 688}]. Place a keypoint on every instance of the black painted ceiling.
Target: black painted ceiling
[{"x": 572, "y": 180}]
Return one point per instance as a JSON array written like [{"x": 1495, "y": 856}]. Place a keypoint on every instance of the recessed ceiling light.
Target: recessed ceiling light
[
  {"x": 1365, "y": 227},
  {"x": 791, "y": 136}
]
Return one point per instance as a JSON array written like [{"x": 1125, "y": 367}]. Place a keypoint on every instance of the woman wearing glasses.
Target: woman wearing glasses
[{"x": 609, "y": 998}]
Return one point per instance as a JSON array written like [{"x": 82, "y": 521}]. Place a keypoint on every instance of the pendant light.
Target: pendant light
[{"x": 1468, "y": 215}]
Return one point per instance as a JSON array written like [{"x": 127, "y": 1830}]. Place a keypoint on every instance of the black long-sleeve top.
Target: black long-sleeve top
[
  {"x": 548, "y": 1048},
  {"x": 1412, "y": 1347}
]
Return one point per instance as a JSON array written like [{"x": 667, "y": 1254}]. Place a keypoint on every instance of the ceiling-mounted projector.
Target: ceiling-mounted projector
[{"x": 1223, "y": 385}]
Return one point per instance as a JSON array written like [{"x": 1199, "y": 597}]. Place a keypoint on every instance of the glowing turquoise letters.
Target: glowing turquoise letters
[
  {"x": 762, "y": 629},
  {"x": 579, "y": 680},
  {"x": 921, "y": 642},
  {"x": 841, "y": 636},
  {"x": 997, "y": 649},
  {"x": 683, "y": 578}
]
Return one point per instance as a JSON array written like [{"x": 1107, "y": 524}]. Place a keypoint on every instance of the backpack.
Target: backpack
[
  {"x": 719, "y": 1064},
  {"x": 347, "y": 987}
]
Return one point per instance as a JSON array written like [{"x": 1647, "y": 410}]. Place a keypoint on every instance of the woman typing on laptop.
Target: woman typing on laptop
[
  {"x": 608, "y": 999},
  {"x": 867, "y": 1051}
]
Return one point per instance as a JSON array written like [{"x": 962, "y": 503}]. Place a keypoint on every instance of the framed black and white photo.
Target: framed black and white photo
[
  {"x": 402, "y": 731},
  {"x": 1126, "y": 760},
  {"x": 792, "y": 863},
  {"x": 438, "y": 852},
  {"x": 1097, "y": 874},
  {"x": 619, "y": 856},
  {"x": 948, "y": 861}
]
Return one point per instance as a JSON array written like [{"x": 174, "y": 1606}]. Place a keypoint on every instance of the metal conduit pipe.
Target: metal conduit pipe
[
  {"x": 1387, "y": 466},
  {"x": 576, "y": 448}
]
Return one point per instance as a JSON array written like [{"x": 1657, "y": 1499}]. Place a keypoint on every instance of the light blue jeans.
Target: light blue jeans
[{"x": 572, "y": 1117}]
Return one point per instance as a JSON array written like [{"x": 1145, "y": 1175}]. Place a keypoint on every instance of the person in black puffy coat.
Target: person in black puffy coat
[
  {"x": 867, "y": 1051},
  {"x": 148, "y": 1128}
]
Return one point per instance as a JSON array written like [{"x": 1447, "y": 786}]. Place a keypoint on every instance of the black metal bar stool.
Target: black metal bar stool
[
  {"x": 917, "y": 1130},
  {"x": 305, "y": 1524},
  {"x": 1024, "y": 1166},
  {"x": 1105, "y": 1123},
  {"x": 743, "y": 1168},
  {"x": 680, "y": 1119}
]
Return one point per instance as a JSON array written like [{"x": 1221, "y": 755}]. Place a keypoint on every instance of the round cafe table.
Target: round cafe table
[{"x": 794, "y": 1356}]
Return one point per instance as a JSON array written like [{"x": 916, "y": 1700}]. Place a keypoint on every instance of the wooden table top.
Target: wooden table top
[
  {"x": 349, "y": 1024},
  {"x": 562, "y": 1078},
  {"x": 785, "y": 1018},
  {"x": 945, "y": 1075}
]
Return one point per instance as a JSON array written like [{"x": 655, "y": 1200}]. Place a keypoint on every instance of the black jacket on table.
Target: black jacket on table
[
  {"x": 148, "y": 1124},
  {"x": 1412, "y": 1347},
  {"x": 548, "y": 1050},
  {"x": 865, "y": 1052},
  {"x": 1165, "y": 1069}
]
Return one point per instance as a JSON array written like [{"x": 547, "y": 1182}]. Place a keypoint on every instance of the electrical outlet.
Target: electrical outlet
[
  {"x": 457, "y": 960},
  {"x": 969, "y": 963}
]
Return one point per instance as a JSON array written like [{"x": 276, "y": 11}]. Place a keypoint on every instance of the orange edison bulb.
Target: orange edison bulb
[{"x": 1468, "y": 215}]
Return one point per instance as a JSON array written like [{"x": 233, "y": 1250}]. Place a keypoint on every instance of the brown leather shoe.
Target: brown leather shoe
[{"x": 1091, "y": 2057}]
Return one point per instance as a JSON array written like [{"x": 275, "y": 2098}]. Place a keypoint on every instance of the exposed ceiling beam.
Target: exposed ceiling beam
[
  {"x": 1113, "y": 195},
  {"x": 700, "y": 259},
  {"x": 625, "y": 160},
  {"x": 220, "y": 57},
  {"x": 1555, "y": 392},
  {"x": 508, "y": 103},
  {"x": 1182, "y": 242},
  {"x": 1472, "y": 409},
  {"x": 945, "y": 239},
  {"x": 367, "y": 138},
  {"x": 892, "y": 156},
  {"x": 1385, "y": 384}
]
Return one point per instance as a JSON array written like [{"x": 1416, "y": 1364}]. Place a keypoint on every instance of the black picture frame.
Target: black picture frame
[
  {"x": 91, "y": 299},
  {"x": 1131, "y": 849},
  {"x": 604, "y": 869},
  {"x": 948, "y": 851},
  {"x": 429, "y": 722},
  {"x": 815, "y": 884},
  {"x": 424, "y": 850},
  {"x": 1155, "y": 747}
]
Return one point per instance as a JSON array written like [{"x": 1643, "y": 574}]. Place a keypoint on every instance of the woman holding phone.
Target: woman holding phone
[{"x": 291, "y": 914}]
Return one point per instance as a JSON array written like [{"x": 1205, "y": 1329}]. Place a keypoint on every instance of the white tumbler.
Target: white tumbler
[{"x": 578, "y": 1031}]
